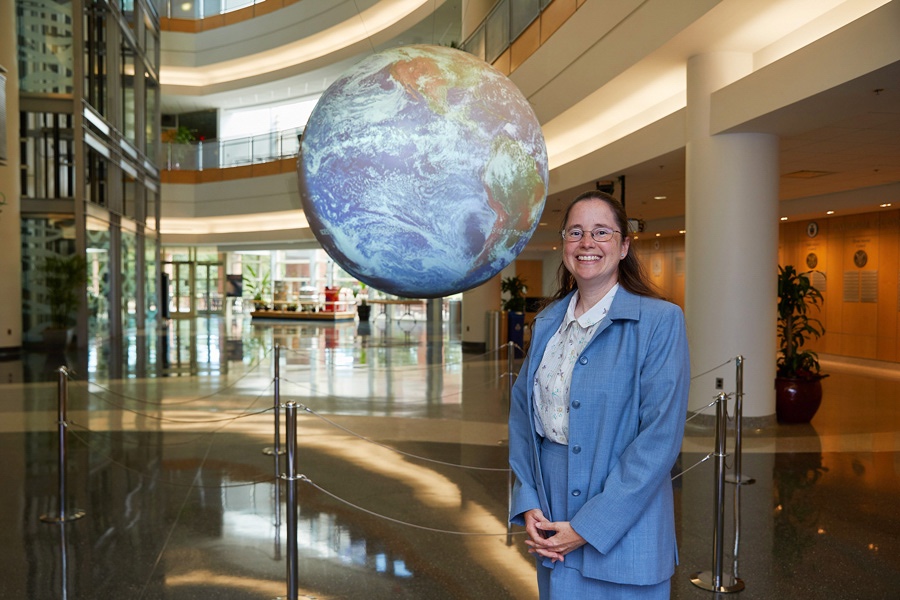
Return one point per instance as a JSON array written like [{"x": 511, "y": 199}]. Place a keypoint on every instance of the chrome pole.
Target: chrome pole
[
  {"x": 291, "y": 478},
  {"x": 706, "y": 580},
  {"x": 738, "y": 477},
  {"x": 62, "y": 396},
  {"x": 276, "y": 450}
]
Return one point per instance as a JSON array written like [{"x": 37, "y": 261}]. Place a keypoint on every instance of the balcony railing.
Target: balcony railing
[{"x": 218, "y": 154}]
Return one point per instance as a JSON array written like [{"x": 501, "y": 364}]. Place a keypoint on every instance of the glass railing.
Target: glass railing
[
  {"x": 218, "y": 154},
  {"x": 506, "y": 21}
]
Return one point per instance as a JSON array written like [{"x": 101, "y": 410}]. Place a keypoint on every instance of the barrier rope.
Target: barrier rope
[
  {"x": 392, "y": 449},
  {"x": 143, "y": 475},
  {"x": 713, "y": 369},
  {"x": 441, "y": 365},
  {"x": 187, "y": 422},
  {"x": 307, "y": 480},
  {"x": 253, "y": 367},
  {"x": 308, "y": 387}
]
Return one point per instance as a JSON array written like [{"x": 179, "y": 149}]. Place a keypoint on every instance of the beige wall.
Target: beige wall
[{"x": 858, "y": 258}]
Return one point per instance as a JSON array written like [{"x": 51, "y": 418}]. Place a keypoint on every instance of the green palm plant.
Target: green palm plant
[
  {"x": 515, "y": 287},
  {"x": 795, "y": 296}
]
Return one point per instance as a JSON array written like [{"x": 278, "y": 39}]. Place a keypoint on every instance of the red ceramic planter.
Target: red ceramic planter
[{"x": 797, "y": 400}]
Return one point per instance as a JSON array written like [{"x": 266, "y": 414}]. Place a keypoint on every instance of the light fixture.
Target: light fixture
[
  {"x": 885, "y": 205},
  {"x": 829, "y": 212},
  {"x": 784, "y": 218},
  {"x": 681, "y": 231},
  {"x": 660, "y": 197},
  {"x": 658, "y": 234}
]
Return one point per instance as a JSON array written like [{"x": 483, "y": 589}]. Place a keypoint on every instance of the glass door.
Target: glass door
[
  {"x": 181, "y": 285},
  {"x": 209, "y": 288}
]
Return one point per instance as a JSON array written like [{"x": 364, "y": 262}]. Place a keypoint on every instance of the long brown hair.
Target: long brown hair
[{"x": 632, "y": 274}]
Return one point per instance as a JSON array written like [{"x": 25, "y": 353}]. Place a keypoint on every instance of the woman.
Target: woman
[{"x": 597, "y": 419}]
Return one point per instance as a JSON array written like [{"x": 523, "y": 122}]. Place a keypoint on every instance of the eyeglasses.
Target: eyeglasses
[{"x": 601, "y": 234}]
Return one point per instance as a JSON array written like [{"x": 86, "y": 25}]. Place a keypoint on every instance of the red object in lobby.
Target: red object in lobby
[
  {"x": 797, "y": 400},
  {"x": 331, "y": 297}
]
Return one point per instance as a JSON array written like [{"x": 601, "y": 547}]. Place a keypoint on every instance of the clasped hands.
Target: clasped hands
[{"x": 549, "y": 539}]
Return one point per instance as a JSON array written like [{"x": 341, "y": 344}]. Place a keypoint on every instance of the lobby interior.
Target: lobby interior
[
  {"x": 401, "y": 442},
  {"x": 402, "y": 427}
]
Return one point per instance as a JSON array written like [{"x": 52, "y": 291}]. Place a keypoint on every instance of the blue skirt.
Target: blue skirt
[{"x": 561, "y": 581}]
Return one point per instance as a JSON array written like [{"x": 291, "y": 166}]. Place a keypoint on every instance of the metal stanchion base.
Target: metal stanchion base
[
  {"x": 271, "y": 452},
  {"x": 72, "y": 515},
  {"x": 704, "y": 580},
  {"x": 743, "y": 479}
]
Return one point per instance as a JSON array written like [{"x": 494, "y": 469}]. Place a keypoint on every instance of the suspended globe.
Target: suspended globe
[{"x": 423, "y": 171}]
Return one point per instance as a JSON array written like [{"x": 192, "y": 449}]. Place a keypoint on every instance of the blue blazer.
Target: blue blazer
[{"x": 627, "y": 409}]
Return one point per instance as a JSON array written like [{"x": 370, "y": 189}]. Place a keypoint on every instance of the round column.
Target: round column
[
  {"x": 731, "y": 251},
  {"x": 10, "y": 226},
  {"x": 477, "y": 305}
]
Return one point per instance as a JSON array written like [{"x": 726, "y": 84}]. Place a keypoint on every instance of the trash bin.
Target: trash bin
[
  {"x": 515, "y": 331},
  {"x": 454, "y": 319}
]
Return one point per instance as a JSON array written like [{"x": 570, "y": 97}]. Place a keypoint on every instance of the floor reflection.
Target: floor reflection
[{"x": 402, "y": 444}]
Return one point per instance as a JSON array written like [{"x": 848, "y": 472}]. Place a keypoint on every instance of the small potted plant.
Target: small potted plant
[
  {"x": 514, "y": 306},
  {"x": 363, "y": 308},
  {"x": 798, "y": 387},
  {"x": 258, "y": 287}
]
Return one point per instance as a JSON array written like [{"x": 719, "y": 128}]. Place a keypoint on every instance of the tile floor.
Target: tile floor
[{"x": 401, "y": 441}]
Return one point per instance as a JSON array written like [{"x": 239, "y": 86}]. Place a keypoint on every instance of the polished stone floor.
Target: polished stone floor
[{"x": 401, "y": 445}]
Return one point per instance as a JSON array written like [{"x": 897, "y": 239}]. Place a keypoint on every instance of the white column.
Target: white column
[
  {"x": 10, "y": 226},
  {"x": 477, "y": 304},
  {"x": 731, "y": 243}
]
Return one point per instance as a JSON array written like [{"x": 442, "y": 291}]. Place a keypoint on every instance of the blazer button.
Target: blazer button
[
  {"x": 576, "y": 449},
  {"x": 576, "y": 403},
  {"x": 576, "y": 492},
  {"x": 583, "y": 360}
]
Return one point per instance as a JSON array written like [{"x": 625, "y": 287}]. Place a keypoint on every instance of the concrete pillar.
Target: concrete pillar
[
  {"x": 10, "y": 226},
  {"x": 477, "y": 305},
  {"x": 731, "y": 243}
]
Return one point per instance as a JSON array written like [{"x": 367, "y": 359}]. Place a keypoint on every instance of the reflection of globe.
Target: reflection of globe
[{"x": 423, "y": 171}]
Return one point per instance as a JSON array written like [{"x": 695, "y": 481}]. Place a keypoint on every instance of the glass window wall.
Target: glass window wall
[
  {"x": 98, "y": 244},
  {"x": 45, "y": 47},
  {"x": 43, "y": 236}
]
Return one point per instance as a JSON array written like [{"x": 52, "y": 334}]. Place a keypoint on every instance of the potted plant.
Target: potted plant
[
  {"x": 258, "y": 287},
  {"x": 363, "y": 308},
  {"x": 798, "y": 381},
  {"x": 514, "y": 305},
  {"x": 64, "y": 279}
]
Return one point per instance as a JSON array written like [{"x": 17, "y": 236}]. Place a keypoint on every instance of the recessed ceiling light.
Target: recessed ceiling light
[
  {"x": 829, "y": 212},
  {"x": 784, "y": 218},
  {"x": 658, "y": 234},
  {"x": 660, "y": 197},
  {"x": 681, "y": 231},
  {"x": 885, "y": 205}
]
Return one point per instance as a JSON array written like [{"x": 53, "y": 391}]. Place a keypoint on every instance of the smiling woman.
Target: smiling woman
[{"x": 599, "y": 402}]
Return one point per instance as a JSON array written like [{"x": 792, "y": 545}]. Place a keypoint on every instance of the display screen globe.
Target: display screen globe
[{"x": 423, "y": 171}]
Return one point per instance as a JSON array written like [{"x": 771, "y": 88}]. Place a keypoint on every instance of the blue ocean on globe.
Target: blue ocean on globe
[{"x": 423, "y": 171}]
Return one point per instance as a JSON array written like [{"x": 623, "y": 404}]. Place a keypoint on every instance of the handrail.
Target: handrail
[{"x": 218, "y": 154}]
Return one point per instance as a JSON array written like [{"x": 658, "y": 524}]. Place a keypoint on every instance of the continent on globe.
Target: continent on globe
[{"x": 423, "y": 171}]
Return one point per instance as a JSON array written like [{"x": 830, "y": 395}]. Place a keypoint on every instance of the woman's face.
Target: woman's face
[{"x": 594, "y": 265}]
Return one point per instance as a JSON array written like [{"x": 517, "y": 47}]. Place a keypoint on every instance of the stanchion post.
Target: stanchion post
[
  {"x": 62, "y": 393},
  {"x": 510, "y": 378},
  {"x": 738, "y": 477},
  {"x": 291, "y": 478},
  {"x": 706, "y": 580},
  {"x": 276, "y": 450}
]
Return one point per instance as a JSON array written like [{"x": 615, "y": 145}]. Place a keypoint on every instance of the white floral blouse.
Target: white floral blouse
[{"x": 554, "y": 375}]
